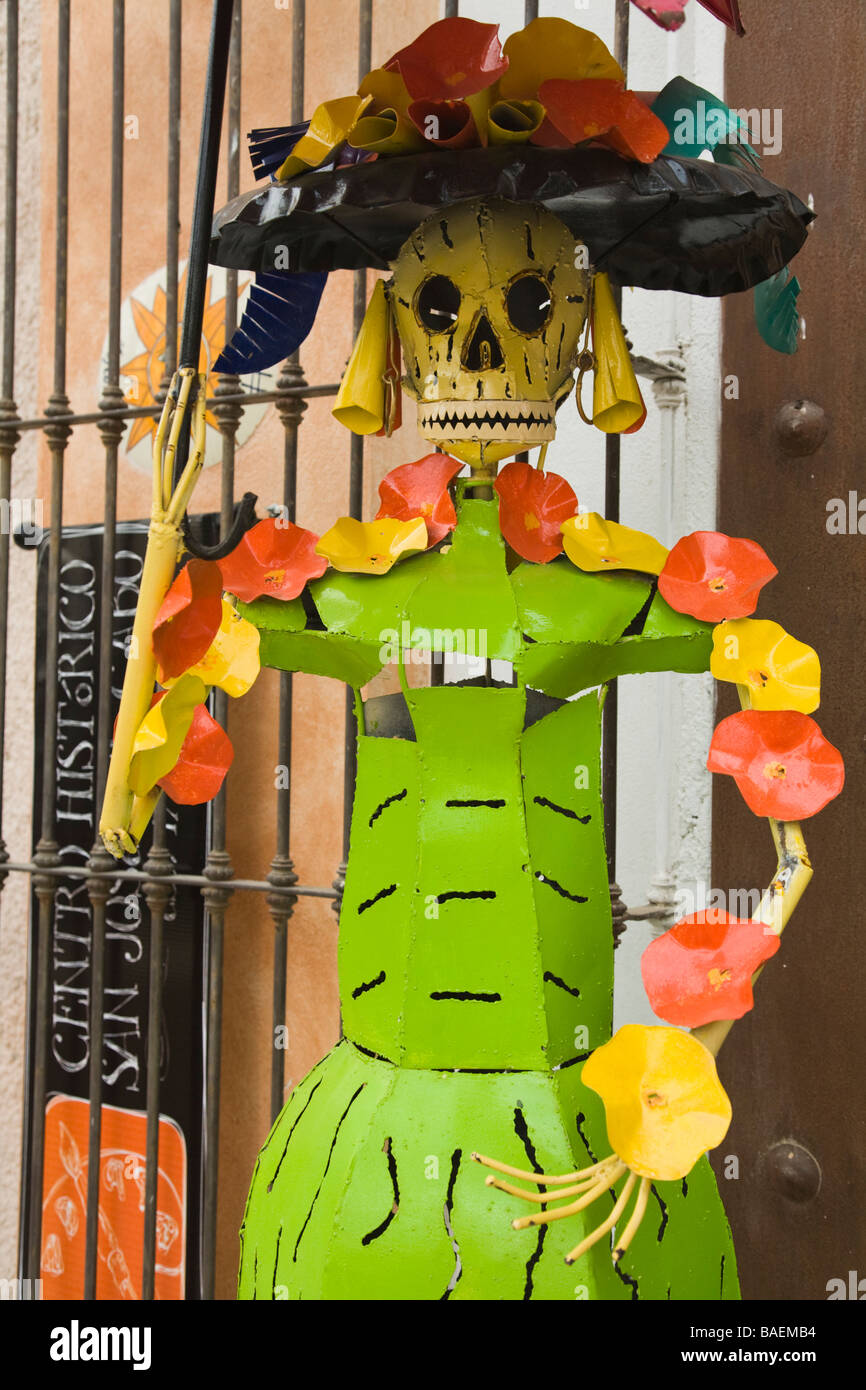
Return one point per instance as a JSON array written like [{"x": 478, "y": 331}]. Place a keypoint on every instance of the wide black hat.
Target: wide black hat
[{"x": 691, "y": 225}]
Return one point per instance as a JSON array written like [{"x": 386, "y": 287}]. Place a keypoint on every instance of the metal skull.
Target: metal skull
[{"x": 490, "y": 298}]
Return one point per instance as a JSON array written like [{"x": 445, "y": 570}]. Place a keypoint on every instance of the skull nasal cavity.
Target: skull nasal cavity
[{"x": 482, "y": 348}]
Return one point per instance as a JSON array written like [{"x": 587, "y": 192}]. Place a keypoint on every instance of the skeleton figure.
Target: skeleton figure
[
  {"x": 476, "y": 962},
  {"x": 476, "y": 958}
]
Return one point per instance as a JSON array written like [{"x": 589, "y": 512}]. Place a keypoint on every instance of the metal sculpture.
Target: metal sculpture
[{"x": 476, "y": 959}]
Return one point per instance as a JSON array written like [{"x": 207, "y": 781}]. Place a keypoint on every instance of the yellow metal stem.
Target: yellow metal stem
[{"x": 793, "y": 872}]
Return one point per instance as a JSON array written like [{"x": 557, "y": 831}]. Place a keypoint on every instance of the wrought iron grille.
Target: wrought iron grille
[{"x": 158, "y": 877}]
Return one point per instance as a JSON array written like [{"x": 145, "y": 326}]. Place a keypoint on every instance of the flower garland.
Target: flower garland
[{"x": 664, "y": 1103}]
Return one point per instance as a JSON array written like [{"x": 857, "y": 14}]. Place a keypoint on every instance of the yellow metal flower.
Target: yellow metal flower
[
  {"x": 330, "y": 124},
  {"x": 161, "y": 733},
  {"x": 553, "y": 48},
  {"x": 780, "y": 672},
  {"x": 592, "y": 543},
  {"x": 371, "y": 547},
  {"x": 663, "y": 1100},
  {"x": 231, "y": 662}
]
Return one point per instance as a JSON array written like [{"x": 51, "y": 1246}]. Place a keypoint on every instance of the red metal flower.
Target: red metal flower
[
  {"x": 452, "y": 58},
  {"x": 702, "y": 968},
  {"x": 189, "y": 618},
  {"x": 276, "y": 558},
  {"x": 780, "y": 760},
  {"x": 714, "y": 577},
  {"x": 421, "y": 489},
  {"x": 205, "y": 757},
  {"x": 600, "y": 109},
  {"x": 532, "y": 507},
  {"x": 452, "y": 121}
]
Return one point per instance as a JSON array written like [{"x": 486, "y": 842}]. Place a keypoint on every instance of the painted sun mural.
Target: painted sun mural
[{"x": 142, "y": 359}]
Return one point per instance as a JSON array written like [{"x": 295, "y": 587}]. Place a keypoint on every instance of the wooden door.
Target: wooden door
[{"x": 796, "y": 1067}]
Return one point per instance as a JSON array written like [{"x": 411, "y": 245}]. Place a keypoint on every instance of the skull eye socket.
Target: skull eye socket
[
  {"x": 528, "y": 303},
  {"x": 438, "y": 304}
]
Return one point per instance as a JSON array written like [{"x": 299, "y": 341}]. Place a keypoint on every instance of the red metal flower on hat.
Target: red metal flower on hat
[
  {"x": 421, "y": 489},
  {"x": 452, "y": 58},
  {"x": 275, "y": 558},
  {"x": 780, "y": 760},
  {"x": 189, "y": 617},
  {"x": 713, "y": 577},
  {"x": 702, "y": 968}
]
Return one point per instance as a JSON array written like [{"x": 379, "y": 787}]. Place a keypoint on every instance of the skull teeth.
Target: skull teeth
[{"x": 501, "y": 420}]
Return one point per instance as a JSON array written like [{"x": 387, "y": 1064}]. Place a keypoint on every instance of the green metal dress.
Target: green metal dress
[{"x": 476, "y": 961}]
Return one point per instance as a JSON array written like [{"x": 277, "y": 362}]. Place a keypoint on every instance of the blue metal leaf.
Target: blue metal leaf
[
  {"x": 776, "y": 310},
  {"x": 279, "y": 313},
  {"x": 272, "y": 145}
]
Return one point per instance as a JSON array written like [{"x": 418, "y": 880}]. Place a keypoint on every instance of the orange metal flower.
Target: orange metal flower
[
  {"x": 421, "y": 489},
  {"x": 532, "y": 508},
  {"x": 189, "y": 617},
  {"x": 371, "y": 547},
  {"x": 601, "y": 109},
  {"x": 276, "y": 558},
  {"x": 205, "y": 757},
  {"x": 663, "y": 1100},
  {"x": 591, "y": 543},
  {"x": 780, "y": 760},
  {"x": 702, "y": 968},
  {"x": 780, "y": 672},
  {"x": 712, "y": 577}
]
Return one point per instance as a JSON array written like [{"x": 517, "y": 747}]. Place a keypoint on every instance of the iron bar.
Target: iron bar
[
  {"x": 281, "y": 874},
  {"x": 172, "y": 199},
  {"x": 356, "y": 479},
  {"x": 612, "y": 453},
  {"x": 111, "y": 432},
  {"x": 46, "y": 855},
  {"x": 9, "y": 435},
  {"x": 218, "y": 867},
  {"x": 138, "y": 412},
  {"x": 250, "y": 885},
  {"x": 158, "y": 891}
]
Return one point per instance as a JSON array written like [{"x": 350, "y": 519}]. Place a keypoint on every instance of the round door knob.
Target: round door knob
[
  {"x": 793, "y": 1171},
  {"x": 800, "y": 428}
]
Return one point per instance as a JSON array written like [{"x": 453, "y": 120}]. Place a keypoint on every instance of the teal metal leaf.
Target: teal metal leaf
[
  {"x": 698, "y": 121},
  {"x": 776, "y": 311}
]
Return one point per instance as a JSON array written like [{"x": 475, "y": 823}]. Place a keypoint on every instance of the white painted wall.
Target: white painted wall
[{"x": 673, "y": 789}]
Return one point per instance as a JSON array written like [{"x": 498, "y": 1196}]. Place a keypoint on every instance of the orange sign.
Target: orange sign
[{"x": 120, "y": 1240}]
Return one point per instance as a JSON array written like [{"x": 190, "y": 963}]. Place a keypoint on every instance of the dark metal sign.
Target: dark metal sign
[{"x": 127, "y": 950}]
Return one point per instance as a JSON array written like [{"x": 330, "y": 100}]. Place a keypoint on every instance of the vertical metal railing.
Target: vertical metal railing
[
  {"x": 612, "y": 445},
  {"x": 46, "y": 856},
  {"x": 111, "y": 431},
  {"x": 356, "y": 483},
  {"x": 8, "y": 412},
  {"x": 281, "y": 875}
]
